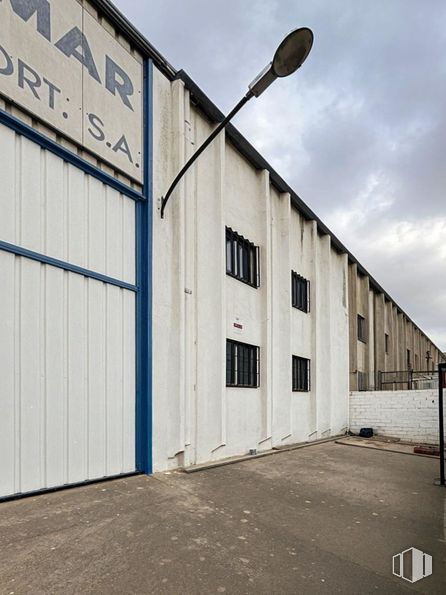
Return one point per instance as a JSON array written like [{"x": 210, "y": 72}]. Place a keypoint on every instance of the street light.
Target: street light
[{"x": 289, "y": 56}]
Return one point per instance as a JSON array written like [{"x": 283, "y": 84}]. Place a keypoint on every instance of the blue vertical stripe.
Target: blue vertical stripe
[{"x": 144, "y": 297}]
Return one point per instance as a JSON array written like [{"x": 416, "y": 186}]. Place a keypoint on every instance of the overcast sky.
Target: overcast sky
[{"x": 359, "y": 132}]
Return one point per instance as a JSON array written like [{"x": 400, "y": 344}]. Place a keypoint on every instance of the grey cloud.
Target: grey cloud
[{"x": 361, "y": 126}]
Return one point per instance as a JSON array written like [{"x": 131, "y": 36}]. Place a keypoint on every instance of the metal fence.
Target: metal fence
[
  {"x": 395, "y": 380},
  {"x": 410, "y": 379}
]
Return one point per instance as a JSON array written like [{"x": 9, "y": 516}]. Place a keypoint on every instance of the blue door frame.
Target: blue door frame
[
  {"x": 143, "y": 247},
  {"x": 144, "y": 210}
]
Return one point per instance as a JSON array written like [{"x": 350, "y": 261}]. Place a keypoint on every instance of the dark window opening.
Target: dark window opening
[
  {"x": 300, "y": 292},
  {"x": 386, "y": 342},
  {"x": 242, "y": 364},
  {"x": 300, "y": 374},
  {"x": 362, "y": 335},
  {"x": 242, "y": 258}
]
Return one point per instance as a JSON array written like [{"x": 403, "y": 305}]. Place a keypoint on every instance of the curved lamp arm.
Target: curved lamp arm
[
  {"x": 289, "y": 56},
  {"x": 200, "y": 150}
]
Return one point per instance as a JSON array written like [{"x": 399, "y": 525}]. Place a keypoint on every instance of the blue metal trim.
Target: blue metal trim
[
  {"x": 68, "y": 156},
  {"x": 143, "y": 442},
  {"x": 66, "y": 266},
  {"x": 66, "y": 486},
  {"x": 149, "y": 208}
]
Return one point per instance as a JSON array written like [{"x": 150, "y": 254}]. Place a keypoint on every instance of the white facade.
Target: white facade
[{"x": 195, "y": 304}]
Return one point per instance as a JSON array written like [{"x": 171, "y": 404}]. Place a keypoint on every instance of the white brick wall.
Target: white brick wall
[{"x": 409, "y": 415}]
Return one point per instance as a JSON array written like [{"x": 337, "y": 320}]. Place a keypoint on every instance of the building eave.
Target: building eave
[
  {"x": 242, "y": 145},
  {"x": 137, "y": 39}
]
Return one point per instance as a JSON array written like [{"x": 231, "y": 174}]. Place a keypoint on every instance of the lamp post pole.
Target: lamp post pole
[
  {"x": 289, "y": 56},
  {"x": 200, "y": 150},
  {"x": 441, "y": 386}
]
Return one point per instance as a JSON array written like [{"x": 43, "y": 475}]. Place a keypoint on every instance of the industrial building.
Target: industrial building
[
  {"x": 387, "y": 349},
  {"x": 131, "y": 343},
  {"x": 284, "y": 315}
]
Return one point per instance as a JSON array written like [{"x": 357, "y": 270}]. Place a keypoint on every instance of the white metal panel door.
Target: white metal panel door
[{"x": 67, "y": 340}]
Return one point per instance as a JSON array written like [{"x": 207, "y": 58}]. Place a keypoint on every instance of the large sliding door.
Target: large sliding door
[{"x": 67, "y": 322}]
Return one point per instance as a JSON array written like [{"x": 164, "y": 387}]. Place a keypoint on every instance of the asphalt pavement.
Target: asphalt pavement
[{"x": 323, "y": 519}]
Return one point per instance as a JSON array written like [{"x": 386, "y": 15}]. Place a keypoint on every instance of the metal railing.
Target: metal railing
[
  {"x": 407, "y": 379},
  {"x": 395, "y": 380}
]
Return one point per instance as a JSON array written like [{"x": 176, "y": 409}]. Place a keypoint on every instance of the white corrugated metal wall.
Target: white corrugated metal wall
[{"x": 67, "y": 349}]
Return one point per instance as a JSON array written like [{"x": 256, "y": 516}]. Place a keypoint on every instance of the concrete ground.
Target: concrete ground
[{"x": 324, "y": 519}]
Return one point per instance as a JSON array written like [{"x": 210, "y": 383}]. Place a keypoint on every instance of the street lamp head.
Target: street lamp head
[
  {"x": 289, "y": 56},
  {"x": 292, "y": 52}
]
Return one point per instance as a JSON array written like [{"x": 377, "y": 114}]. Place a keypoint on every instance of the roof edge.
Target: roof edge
[
  {"x": 247, "y": 150},
  {"x": 110, "y": 11}
]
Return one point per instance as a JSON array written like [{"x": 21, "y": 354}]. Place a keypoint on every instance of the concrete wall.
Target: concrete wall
[
  {"x": 383, "y": 317},
  {"x": 196, "y": 417},
  {"x": 409, "y": 415}
]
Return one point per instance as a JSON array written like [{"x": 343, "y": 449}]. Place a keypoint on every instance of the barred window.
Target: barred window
[
  {"x": 242, "y": 364},
  {"x": 242, "y": 258},
  {"x": 362, "y": 335},
  {"x": 300, "y": 292},
  {"x": 300, "y": 374}
]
